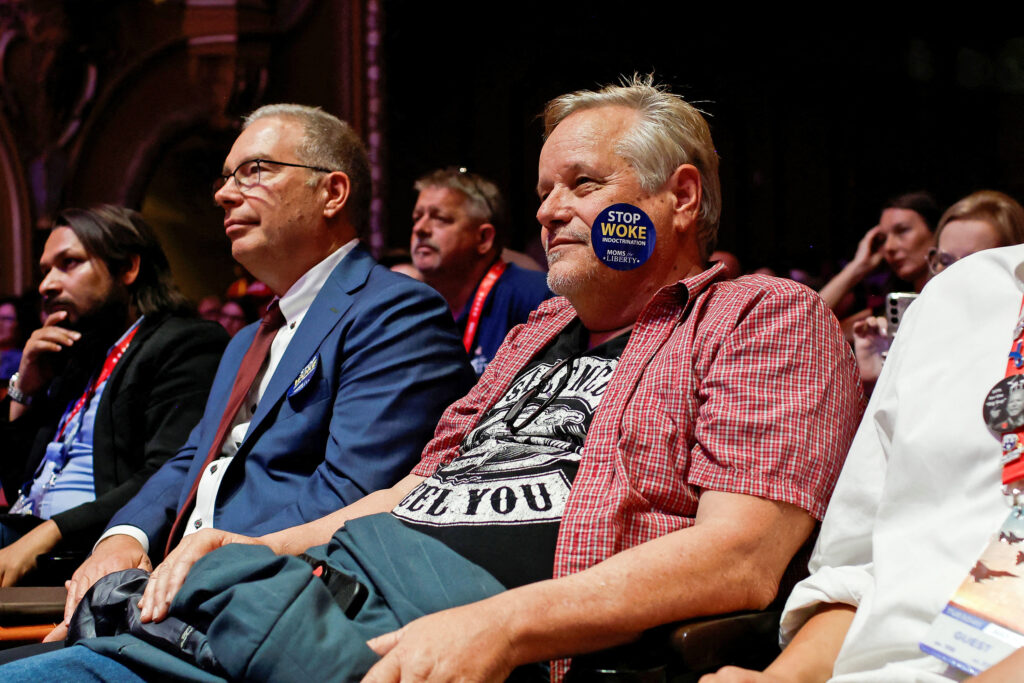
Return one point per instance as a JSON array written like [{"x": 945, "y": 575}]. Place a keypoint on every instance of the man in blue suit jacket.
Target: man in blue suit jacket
[{"x": 354, "y": 381}]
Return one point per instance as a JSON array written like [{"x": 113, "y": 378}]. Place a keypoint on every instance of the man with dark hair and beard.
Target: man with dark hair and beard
[{"x": 107, "y": 389}]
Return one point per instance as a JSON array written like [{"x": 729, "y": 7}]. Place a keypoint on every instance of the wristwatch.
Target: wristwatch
[{"x": 16, "y": 394}]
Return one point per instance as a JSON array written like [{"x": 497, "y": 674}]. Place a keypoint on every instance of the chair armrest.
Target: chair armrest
[
  {"x": 748, "y": 639},
  {"x": 685, "y": 650},
  {"x": 54, "y": 568},
  {"x": 31, "y": 604}
]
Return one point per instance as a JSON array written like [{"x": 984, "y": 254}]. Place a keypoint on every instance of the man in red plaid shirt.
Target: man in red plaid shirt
[{"x": 656, "y": 444}]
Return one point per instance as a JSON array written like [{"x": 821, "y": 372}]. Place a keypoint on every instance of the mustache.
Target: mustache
[
  {"x": 425, "y": 243},
  {"x": 576, "y": 234},
  {"x": 51, "y": 304}
]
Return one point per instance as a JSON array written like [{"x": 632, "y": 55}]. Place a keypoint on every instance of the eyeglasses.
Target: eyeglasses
[
  {"x": 513, "y": 414},
  {"x": 940, "y": 260},
  {"x": 471, "y": 178},
  {"x": 247, "y": 175}
]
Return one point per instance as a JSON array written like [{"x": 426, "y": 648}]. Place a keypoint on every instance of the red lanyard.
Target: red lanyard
[
  {"x": 1012, "y": 428},
  {"x": 478, "y": 303},
  {"x": 108, "y": 367}
]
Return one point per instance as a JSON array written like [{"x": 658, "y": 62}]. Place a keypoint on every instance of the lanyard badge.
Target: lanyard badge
[
  {"x": 58, "y": 452},
  {"x": 984, "y": 620},
  {"x": 1003, "y": 412}
]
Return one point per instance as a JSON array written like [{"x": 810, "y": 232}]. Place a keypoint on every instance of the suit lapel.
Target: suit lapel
[
  {"x": 104, "y": 424},
  {"x": 327, "y": 309}
]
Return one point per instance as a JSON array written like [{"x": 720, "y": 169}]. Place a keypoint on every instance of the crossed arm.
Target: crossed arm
[{"x": 731, "y": 559}]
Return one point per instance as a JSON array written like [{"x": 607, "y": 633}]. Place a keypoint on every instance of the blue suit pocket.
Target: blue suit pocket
[{"x": 309, "y": 386}]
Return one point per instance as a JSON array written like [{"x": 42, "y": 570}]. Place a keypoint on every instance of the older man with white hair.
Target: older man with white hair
[{"x": 654, "y": 445}]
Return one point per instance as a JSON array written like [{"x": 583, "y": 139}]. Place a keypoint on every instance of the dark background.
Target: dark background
[
  {"x": 815, "y": 129},
  {"x": 817, "y": 120}
]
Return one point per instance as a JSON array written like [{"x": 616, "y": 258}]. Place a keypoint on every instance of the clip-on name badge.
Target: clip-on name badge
[
  {"x": 984, "y": 620},
  {"x": 623, "y": 236}
]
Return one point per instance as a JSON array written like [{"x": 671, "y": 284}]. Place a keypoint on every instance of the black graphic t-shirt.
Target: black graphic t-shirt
[{"x": 499, "y": 503}]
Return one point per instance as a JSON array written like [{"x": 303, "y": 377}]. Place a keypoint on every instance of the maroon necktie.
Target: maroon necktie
[{"x": 247, "y": 371}]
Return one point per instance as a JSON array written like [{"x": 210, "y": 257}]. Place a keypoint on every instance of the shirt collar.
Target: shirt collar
[
  {"x": 686, "y": 289},
  {"x": 300, "y": 295}
]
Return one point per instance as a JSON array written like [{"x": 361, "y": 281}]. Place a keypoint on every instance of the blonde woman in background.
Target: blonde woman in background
[{"x": 983, "y": 220}]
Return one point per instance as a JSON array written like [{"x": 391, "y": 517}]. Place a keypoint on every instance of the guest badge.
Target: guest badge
[
  {"x": 983, "y": 622},
  {"x": 623, "y": 236}
]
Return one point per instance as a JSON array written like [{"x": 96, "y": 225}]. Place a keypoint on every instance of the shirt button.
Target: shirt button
[
  {"x": 198, "y": 523},
  {"x": 213, "y": 468},
  {"x": 292, "y": 326}
]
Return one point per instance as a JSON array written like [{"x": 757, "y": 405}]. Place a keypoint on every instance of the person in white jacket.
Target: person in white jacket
[{"x": 919, "y": 497}]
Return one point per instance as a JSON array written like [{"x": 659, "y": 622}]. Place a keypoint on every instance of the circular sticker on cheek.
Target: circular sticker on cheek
[{"x": 623, "y": 236}]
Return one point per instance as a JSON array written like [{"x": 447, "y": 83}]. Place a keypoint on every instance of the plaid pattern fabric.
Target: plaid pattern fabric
[{"x": 742, "y": 386}]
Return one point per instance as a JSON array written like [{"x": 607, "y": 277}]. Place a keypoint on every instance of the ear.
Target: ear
[
  {"x": 684, "y": 183},
  {"x": 130, "y": 272},
  {"x": 486, "y": 236},
  {"x": 338, "y": 188}
]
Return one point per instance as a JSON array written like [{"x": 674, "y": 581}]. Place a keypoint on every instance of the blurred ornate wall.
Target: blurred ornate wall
[{"x": 137, "y": 103}]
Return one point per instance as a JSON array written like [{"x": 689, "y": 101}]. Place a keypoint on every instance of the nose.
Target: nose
[
  {"x": 50, "y": 286},
  {"x": 421, "y": 227},
  {"x": 228, "y": 194},
  {"x": 891, "y": 244},
  {"x": 553, "y": 210}
]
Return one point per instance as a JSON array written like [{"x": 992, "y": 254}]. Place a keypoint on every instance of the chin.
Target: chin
[
  {"x": 246, "y": 254},
  {"x": 426, "y": 268},
  {"x": 566, "y": 281}
]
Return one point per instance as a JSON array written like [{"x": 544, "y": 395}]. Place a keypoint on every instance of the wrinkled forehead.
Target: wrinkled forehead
[
  {"x": 596, "y": 129},
  {"x": 585, "y": 140}
]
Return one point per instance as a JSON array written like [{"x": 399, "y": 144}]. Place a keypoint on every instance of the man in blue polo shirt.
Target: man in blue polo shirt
[{"x": 458, "y": 230}]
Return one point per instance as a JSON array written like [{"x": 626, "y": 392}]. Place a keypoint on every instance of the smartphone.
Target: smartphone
[{"x": 896, "y": 305}]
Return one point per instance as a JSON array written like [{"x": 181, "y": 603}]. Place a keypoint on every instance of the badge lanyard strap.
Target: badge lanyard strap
[
  {"x": 1013, "y": 462},
  {"x": 486, "y": 285},
  {"x": 108, "y": 367},
  {"x": 113, "y": 357}
]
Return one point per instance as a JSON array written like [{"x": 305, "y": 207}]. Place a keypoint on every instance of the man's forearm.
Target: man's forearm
[
  {"x": 298, "y": 539},
  {"x": 697, "y": 571}
]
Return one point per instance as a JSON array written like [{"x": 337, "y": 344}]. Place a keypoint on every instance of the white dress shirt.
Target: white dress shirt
[
  {"x": 919, "y": 496},
  {"x": 294, "y": 305}
]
